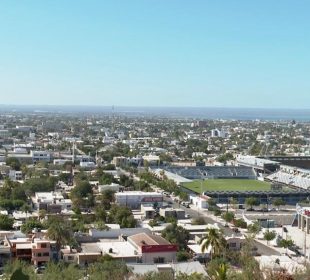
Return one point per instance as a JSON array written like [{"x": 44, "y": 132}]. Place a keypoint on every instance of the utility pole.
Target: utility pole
[{"x": 305, "y": 243}]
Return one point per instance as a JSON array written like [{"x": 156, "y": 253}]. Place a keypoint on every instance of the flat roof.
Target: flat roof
[
  {"x": 196, "y": 248},
  {"x": 120, "y": 249},
  {"x": 138, "y": 193},
  {"x": 24, "y": 246},
  {"x": 90, "y": 248},
  {"x": 143, "y": 268}
]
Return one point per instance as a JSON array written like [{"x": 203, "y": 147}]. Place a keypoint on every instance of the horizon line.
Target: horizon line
[{"x": 150, "y": 106}]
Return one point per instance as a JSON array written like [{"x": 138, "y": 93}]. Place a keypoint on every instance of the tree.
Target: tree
[
  {"x": 108, "y": 270},
  {"x": 82, "y": 189},
  {"x": 121, "y": 215},
  {"x": 269, "y": 235},
  {"x": 254, "y": 228},
  {"x": 14, "y": 163},
  {"x": 100, "y": 214},
  {"x": 61, "y": 271},
  {"x": 278, "y": 202},
  {"x": 106, "y": 198},
  {"x": 233, "y": 203},
  {"x": 26, "y": 208},
  {"x": 183, "y": 256},
  {"x": 6, "y": 223},
  {"x": 166, "y": 275},
  {"x": 251, "y": 201},
  {"x": 198, "y": 221},
  {"x": 42, "y": 214},
  {"x": 30, "y": 224},
  {"x": 176, "y": 235},
  {"x": 228, "y": 216},
  {"x": 59, "y": 231},
  {"x": 215, "y": 239},
  {"x": 19, "y": 270},
  {"x": 221, "y": 272},
  {"x": 40, "y": 185},
  {"x": 286, "y": 243},
  {"x": 184, "y": 196}
]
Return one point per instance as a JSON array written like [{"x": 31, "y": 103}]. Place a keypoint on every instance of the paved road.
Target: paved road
[{"x": 261, "y": 248}]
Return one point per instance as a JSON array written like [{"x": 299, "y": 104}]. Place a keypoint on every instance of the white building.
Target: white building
[
  {"x": 40, "y": 156},
  {"x": 15, "y": 175},
  {"x": 134, "y": 199},
  {"x": 222, "y": 133},
  {"x": 4, "y": 133},
  {"x": 113, "y": 187},
  {"x": 49, "y": 200}
]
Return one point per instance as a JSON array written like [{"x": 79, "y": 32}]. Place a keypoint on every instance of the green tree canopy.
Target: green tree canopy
[
  {"x": 176, "y": 235},
  {"x": 6, "y": 223}
]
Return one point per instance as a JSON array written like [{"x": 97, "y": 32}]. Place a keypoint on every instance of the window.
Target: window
[
  {"x": 70, "y": 258},
  {"x": 159, "y": 260},
  {"x": 43, "y": 245},
  {"x": 233, "y": 245},
  {"x": 46, "y": 254}
]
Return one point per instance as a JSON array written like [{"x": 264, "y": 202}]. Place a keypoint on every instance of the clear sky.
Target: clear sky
[{"x": 156, "y": 53}]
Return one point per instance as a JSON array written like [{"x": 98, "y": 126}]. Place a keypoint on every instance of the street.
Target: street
[{"x": 261, "y": 248}]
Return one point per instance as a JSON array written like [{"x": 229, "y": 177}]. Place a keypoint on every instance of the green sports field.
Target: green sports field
[{"x": 227, "y": 185}]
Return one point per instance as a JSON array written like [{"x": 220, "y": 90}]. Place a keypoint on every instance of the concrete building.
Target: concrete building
[
  {"x": 148, "y": 212},
  {"x": 38, "y": 156},
  {"x": 15, "y": 175},
  {"x": 38, "y": 251},
  {"x": 153, "y": 248},
  {"x": 303, "y": 218},
  {"x": 52, "y": 202},
  {"x": 171, "y": 212},
  {"x": 200, "y": 201},
  {"x": 119, "y": 161},
  {"x": 112, "y": 187},
  {"x": 5, "y": 133},
  {"x": 134, "y": 199}
]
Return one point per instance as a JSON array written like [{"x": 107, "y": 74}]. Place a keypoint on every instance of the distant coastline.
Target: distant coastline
[{"x": 173, "y": 112}]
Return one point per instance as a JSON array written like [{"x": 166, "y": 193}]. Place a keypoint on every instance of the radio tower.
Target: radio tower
[{"x": 73, "y": 152}]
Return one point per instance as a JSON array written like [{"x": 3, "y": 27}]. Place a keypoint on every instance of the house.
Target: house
[
  {"x": 52, "y": 202},
  {"x": 37, "y": 251},
  {"x": 138, "y": 248},
  {"x": 153, "y": 248}
]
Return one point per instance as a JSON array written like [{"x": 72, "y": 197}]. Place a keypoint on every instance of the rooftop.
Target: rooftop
[{"x": 142, "y": 239}]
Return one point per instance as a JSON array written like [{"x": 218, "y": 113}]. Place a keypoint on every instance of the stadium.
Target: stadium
[{"x": 239, "y": 182}]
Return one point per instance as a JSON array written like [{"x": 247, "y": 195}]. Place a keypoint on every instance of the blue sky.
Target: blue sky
[{"x": 155, "y": 53}]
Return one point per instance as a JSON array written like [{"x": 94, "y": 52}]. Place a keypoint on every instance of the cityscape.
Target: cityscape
[
  {"x": 150, "y": 196},
  {"x": 154, "y": 140}
]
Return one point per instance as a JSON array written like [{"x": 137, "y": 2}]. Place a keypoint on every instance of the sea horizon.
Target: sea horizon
[{"x": 271, "y": 114}]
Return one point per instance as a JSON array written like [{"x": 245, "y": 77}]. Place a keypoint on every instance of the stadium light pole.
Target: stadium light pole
[{"x": 200, "y": 195}]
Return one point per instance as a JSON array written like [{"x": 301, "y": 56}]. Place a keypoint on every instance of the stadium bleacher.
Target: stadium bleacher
[
  {"x": 292, "y": 177},
  {"x": 213, "y": 172}
]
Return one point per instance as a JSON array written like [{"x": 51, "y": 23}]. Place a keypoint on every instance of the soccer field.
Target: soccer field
[{"x": 227, "y": 185}]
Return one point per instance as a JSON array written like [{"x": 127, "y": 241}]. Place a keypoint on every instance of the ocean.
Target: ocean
[{"x": 170, "y": 112}]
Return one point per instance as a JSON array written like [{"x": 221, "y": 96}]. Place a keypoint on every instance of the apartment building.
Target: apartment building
[{"x": 37, "y": 251}]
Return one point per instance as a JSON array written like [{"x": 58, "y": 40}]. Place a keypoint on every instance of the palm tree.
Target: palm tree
[
  {"x": 59, "y": 232},
  {"x": 215, "y": 239},
  {"x": 42, "y": 214},
  {"x": 221, "y": 272}
]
